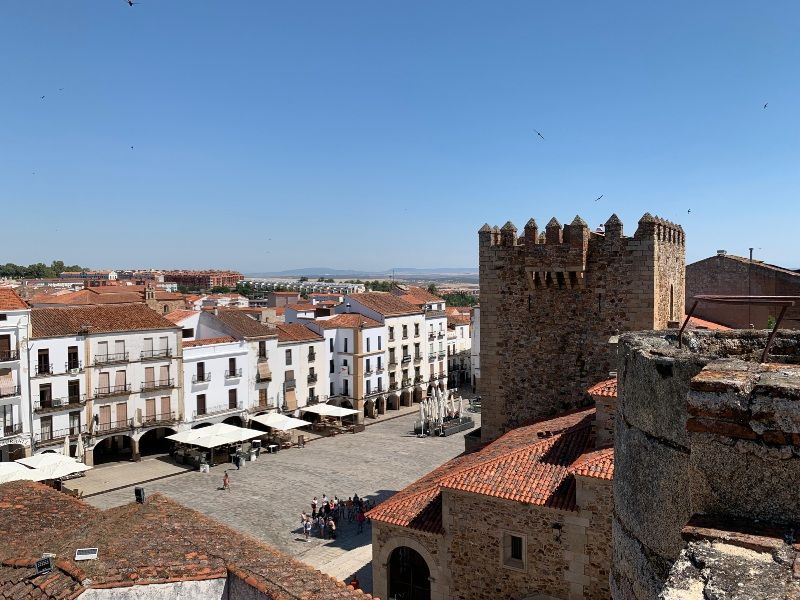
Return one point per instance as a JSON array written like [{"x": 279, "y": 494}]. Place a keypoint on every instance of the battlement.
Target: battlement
[{"x": 659, "y": 229}]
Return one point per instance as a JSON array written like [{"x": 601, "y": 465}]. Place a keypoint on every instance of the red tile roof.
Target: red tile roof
[
  {"x": 296, "y": 332},
  {"x": 415, "y": 295},
  {"x": 19, "y": 581},
  {"x": 696, "y": 323},
  {"x": 159, "y": 541},
  {"x": 176, "y": 316},
  {"x": 348, "y": 321},
  {"x": 302, "y": 307},
  {"x": 10, "y": 300},
  {"x": 71, "y": 320},
  {"x": 385, "y": 304},
  {"x": 599, "y": 464},
  {"x": 533, "y": 464},
  {"x": 208, "y": 341},
  {"x": 454, "y": 320},
  {"x": 607, "y": 388},
  {"x": 113, "y": 295},
  {"x": 243, "y": 325}
]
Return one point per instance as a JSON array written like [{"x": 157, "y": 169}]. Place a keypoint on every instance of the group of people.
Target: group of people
[{"x": 329, "y": 512}]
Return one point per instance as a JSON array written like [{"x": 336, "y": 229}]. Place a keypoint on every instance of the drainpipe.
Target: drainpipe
[{"x": 30, "y": 398}]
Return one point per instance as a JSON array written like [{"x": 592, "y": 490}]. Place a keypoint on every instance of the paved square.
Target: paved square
[{"x": 268, "y": 495}]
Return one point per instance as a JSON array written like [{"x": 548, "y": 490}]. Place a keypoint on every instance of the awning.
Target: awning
[
  {"x": 215, "y": 435},
  {"x": 329, "y": 410},
  {"x": 13, "y": 471},
  {"x": 53, "y": 466},
  {"x": 263, "y": 371},
  {"x": 279, "y": 422}
]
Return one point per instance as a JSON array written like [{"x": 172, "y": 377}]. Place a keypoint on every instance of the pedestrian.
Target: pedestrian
[
  {"x": 332, "y": 528},
  {"x": 226, "y": 482},
  {"x": 314, "y": 508},
  {"x": 360, "y": 518},
  {"x": 307, "y": 528},
  {"x": 354, "y": 583},
  {"x": 321, "y": 524},
  {"x": 349, "y": 505}
]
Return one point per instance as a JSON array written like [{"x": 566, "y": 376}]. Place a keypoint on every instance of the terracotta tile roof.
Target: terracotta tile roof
[
  {"x": 385, "y": 304},
  {"x": 18, "y": 581},
  {"x": 243, "y": 325},
  {"x": 280, "y": 311},
  {"x": 208, "y": 341},
  {"x": 114, "y": 295},
  {"x": 599, "y": 463},
  {"x": 296, "y": 332},
  {"x": 455, "y": 320},
  {"x": 415, "y": 295},
  {"x": 348, "y": 321},
  {"x": 159, "y": 541},
  {"x": 193, "y": 297},
  {"x": 755, "y": 263},
  {"x": 10, "y": 300},
  {"x": 176, "y": 316},
  {"x": 696, "y": 323},
  {"x": 302, "y": 307},
  {"x": 71, "y": 320},
  {"x": 607, "y": 388},
  {"x": 530, "y": 464}
]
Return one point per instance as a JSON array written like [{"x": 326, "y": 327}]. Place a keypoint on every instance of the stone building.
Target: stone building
[
  {"x": 527, "y": 516},
  {"x": 707, "y": 465},
  {"x": 726, "y": 274},
  {"x": 550, "y": 302}
]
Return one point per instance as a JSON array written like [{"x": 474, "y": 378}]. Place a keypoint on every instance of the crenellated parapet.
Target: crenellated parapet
[{"x": 660, "y": 230}]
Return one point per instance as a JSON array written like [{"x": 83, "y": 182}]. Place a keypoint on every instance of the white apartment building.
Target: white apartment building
[
  {"x": 15, "y": 422},
  {"x": 217, "y": 371},
  {"x": 356, "y": 355},
  {"x": 475, "y": 350},
  {"x": 305, "y": 373},
  {"x": 407, "y": 353},
  {"x": 109, "y": 372},
  {"x": 459, "y": 347}
]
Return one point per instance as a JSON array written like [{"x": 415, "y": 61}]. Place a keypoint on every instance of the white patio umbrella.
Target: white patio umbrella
[
  {"x": 450, "y": 403},
  {"x": 422, "y": 414},
  {"x": 279, "y": 422},
  {"x": 53, "y": 465},
  {"x": 80, "y": 451},
  {"x": 461, "y": 406},
  {"x": 13, "y": 471},
  {"x": 66, "y": 445}
]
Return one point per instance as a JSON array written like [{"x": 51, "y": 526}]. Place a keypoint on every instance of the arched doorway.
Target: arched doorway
[
  {"x": 236, "y": 421},
  {"x": 112, "y": 449},
  {"x": 405, "y": 398},
  {"x": 155, "y": 442},
  {"x": 417, "y": 394},
  {"x": 393, "y": 402},
  {"x": 369, "y": 408},
  {"x": 381, "y": 405},
  {"x": 409, "y": 575},
  {"x": 11, "y": 452}
]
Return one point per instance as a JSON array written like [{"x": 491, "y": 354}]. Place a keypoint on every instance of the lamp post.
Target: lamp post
[{"x": 749, "y": 292}]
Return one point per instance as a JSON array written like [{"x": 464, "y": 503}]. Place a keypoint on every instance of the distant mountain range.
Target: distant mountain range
[{"x": 355, "y": 274}]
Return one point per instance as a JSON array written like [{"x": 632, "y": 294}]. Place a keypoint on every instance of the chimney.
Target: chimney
[
  {"x": 604, "y": 395},
  {"x": 722, "y": 252}
]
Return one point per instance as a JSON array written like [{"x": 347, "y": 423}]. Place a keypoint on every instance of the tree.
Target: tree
[
  {"x": 432, "y": 289},
  {"x": 220, "y": 289},
  {"x": 460, "y": 299},
  {"x": 329, "y": 280},
  {"x": 302, "y": 279}
]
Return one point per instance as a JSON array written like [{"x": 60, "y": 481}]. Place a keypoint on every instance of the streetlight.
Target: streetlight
[{"x": 749, "y": 292}]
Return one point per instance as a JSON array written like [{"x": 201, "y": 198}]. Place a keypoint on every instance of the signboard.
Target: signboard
[
  {"x": 44, "y": 565},
  {"x": 86, "y": 554}
]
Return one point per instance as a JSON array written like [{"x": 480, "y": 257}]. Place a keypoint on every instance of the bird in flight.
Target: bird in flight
[
  {"x": 688, "y": 211},
  {"x": 131, "y": 147},
  {"x": 539, "y": 134},
  {"x": 42, "y": 97},
  {"x": 60, "y": 89},
  {"x": 598, "y": 198},
  {"x": 765, "y": 104}
]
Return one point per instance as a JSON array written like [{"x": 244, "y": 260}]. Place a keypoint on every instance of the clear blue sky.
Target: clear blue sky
[{"x": 271, "y": 135}]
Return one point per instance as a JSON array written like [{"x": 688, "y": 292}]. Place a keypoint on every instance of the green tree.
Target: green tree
[
  {"x": 432, "y": 289},
  {"x": 220, "y": 289},
  {"x": 302, "y": 279}
]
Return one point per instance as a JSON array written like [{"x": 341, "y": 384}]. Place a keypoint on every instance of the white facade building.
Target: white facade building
[
  {"x": 305, "y": 373},
  {"x": 459, "y": 349},
  {"x": 15, "y": 422},
  {"x": 475, "y": 350}
]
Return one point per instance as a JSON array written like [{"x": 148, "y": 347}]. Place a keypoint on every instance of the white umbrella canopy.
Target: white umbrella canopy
[
  {"x": 461, "y": 406},
  {"x": 66, "y": 445},
  {"x": 53, "y": 465},
  {"x": 13, "y": 471},
  {"x": 215, "y": 435},
  {"x": 80, "y": 451},
  {"x": 450, "y": 403},
  {"x": 279, "y": 422},
  {"x": 329, "y": 410},
  {"x": 422, "y": 412}
]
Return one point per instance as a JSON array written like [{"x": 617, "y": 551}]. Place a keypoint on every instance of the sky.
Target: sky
[{"x": 267, "y": 135}]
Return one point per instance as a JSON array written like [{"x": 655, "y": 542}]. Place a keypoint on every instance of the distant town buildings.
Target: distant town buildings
[{"x": 204, "y": 280}]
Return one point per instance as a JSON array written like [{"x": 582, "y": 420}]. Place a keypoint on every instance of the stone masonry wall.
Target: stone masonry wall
[
  {"x": 595, "y": 501},
  {"x": 550, "y": 304},
  {"x": 386, "y": 537}
]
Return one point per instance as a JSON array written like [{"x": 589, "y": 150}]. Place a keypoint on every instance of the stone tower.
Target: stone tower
[{"x": 550, "y": 303}]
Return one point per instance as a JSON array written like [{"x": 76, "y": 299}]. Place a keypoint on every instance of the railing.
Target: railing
[
  {"x": 150, "y": 420},
  {"x": 393, "y": 385},
  {"x": 312, "y": 356},
  {"x": 217, "y": 409},
  {"x": 418, "y": 379},
  {"x": 9, "y": 390},
  {"x": 406, "y": 359},
  {"x": 155, "y": 354},
  {"x": 440, "y": 335},
  {"x": 392, "y": 364},
  {"x": 233, "y": 374},
  {"x": 260, "y": 379},
  {"x": 112, "y": 390},
  {"x": 43, "y": 369},
  {"x": 379, "y": 369},
  {"x": 13, "y": 429},
  {"x": 59, "y": 403},
  {"x": 417, "y": 356},
  {"x": 442, "y": 353},
  {"x": 106, "y": 359},
  {"x": 431, "y": 336},
  {"x": 103, "y": 428},
  {"x": 312, "y": 378},
  {"x": 431, "y": 314},
  {"x": 6, "y": 355},
  {"x": 160, "y": 384},
  {"x": 57, "y": 436},
  {"x": 205, "y": 378},
  {"x": 73, "y": 366},
  {"x": 290, "y": 384},
  {"x": 313, "y": 400},
  {"x": 432, "y": 357},
  {"x": 406, "y": 382},
  {"x": 368, "y": 371}
]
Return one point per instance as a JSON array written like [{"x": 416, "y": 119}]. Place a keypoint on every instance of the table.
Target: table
[{"x": 272, "y": 448}]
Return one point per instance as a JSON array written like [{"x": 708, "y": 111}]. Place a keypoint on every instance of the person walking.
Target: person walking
[
  {"x": 226, "y": 482},
  {"x": 314, "y": 508},
  {"x": 321, "y": 523},
  {"x": 360, "y": 518},
  {"x": 332, "y": 528},
  {"x": 307, "y": 528}
]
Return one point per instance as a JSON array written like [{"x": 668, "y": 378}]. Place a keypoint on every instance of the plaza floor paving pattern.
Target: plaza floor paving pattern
[{"x": 268, "y": 495}]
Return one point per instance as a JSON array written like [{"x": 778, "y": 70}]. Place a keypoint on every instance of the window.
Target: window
[
  {"x": 380, "y": 384},
  {"x": 188, "y": 332},
  {"x": 368, "y": 369},
  {"x": 330, "y": 342},
  {"x": 262, "y": 349},
  {"x": 367, "y": 343},
  {"x": 346, "y": 384},
  {"x": 416, "y": 329},
  {"x": 344, "y": 362},
  {"x": 405, "y": 331},
  {"x": 332, "y": 392},
  {"x": 3, "y": 317},
  {"x": 201, "y": 371},
  {"x": 232, "y": 366},
  {"x": 380, "y": 363},
  {"x": 391, "y": 334},
  {"x": 289, "y": 357},
  {"x": 232, "y": 399},
  {"x": 72, "y": 358},
  {"x": 369, "y": 387},
  {"x": 45, "y": 395},
  {"x": 345, "y": 344},
  {"x": 75, "y": 422},
  {"x": 201, "y": 404},
  {"x": 514, "y": 551},
  {"x": 74, "y": 390},
  {"x": 166, "y": 309},
  {"x": 332, "y": 367},
  {"x": 43, "y": 365},
  {"x": 311, "y": 394},
  {"x": 380, "y": 343}
]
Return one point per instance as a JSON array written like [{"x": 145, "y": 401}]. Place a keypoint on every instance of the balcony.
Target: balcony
[
  {"x": 417, "y": 357},
  {"x": 312, "y": 378},
  {"x": 50, "y": 438},
  {"x": 380, "y": 369},
  {"x": 392, "y": 363},
  {"x": 73, "y": 367},
  {"x": 43, "y": 369},
  {"x": 432, "y": 357},
  {"x": 233, "y": 374},
  {"x": 204, "y": 378},
  {"x": 217, "y": 410},
  {"x": 440, "y": 335},
  {"x": 8, "y": 355},
  {"x": 158, "y": 419},
  {"x": 368, "y": 372},
  {"x": 433, "y": 314},
  {"x": 442, "y": 353},
  {"x": 312, "y": 356},
  {"x": 112, "y": 390},
  {"x": 13, "y": 429},
  {"x": 312, "y": 400},
  {"x": 160, "y": 384},
  {"x": 54, "y": 404},
  {"x": 431, "y": 336},
  {"x": 8, "y": 391},
  {"x": 418, "y": 379},
  {"x": 289, "y": 384},
  {"x": 406, "y": 382},
  {"x": 263, "y": 378},
  {"x": 113, "y": 426},
  {"x": 155, "y": 354},
  {"x": 110, "y": 359},
  {"x": 392, "y": 385},
  {"x": 406, "y": 359}
]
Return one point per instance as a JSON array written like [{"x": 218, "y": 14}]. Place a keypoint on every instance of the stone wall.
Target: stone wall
[
  {"x": 550, "y": 303},
  {"x": 595, "y": 503}
]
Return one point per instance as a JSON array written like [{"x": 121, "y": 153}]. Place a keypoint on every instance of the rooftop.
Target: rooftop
[
  {"x": 176, "y": 316},
  {"x": 606, "y": 389},
  {"x": 347, "y": 321},
  {"x": 243, "y": 325},
  {"x": 10, "y": 300},
  {"x": 159, "y": 541},
  {"x": 72, "y": 320},
  {"x": 225, "y": 339},
  {"x": 385, "y": 304},
  {"x": 296, "y": 332}
]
